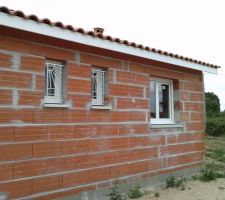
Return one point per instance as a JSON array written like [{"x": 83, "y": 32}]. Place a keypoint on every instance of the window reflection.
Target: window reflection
[
  {"x": 163, "y": 100},
  {"x": 153, "y": 99}
]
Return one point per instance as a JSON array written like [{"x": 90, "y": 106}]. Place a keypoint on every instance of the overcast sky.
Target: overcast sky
[{"x": 193, "y": 28}]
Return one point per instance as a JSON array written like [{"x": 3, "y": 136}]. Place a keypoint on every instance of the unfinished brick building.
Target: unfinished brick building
[{"x": 80, "y": 111}]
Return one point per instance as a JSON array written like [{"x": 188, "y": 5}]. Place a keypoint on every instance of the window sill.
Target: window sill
[
  {"x": 103, "y": 107},
  {"x": 56, "y": 105},
  {"x": 155, "y": 126}
]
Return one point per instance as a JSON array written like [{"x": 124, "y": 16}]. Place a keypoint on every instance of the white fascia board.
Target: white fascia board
[{"x": 56, "y": 32}]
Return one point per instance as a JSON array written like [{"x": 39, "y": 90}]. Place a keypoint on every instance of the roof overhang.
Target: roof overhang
[{"x": 56, "y": 32}]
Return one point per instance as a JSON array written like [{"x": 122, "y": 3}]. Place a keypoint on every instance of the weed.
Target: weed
[
  {"x": 156, "y": 194},
  {"x": 135, "y": 193},
  {"x": 207, "y": 175},
  {"x": 174, "y": 182},
  {"x": 115, "y": 195}
]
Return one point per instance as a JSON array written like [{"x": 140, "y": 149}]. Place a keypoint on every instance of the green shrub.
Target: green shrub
[
  {"x": 115, "y": 195},
  {"x": 175, "y": 182},
  {"x": 157, "y": 194},
  {"x": 135, "y": 193},
  {"x": 215, "y": 126},
  {"x": 207, "y": 175}
]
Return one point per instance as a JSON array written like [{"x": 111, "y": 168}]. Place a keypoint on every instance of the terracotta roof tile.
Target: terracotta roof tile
[{"x": 107, "y": 37}]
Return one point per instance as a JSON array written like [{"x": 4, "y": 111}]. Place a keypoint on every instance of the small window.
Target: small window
[
  {"x": 161, "y": 101},
  {"x": 99, "y": 86},
  {"x": 53, "y": 82}
]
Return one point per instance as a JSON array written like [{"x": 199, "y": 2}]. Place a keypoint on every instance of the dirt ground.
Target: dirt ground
[{"x": 195, "y": 190}]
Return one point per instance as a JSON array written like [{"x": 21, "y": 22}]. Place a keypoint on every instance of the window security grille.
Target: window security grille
[
  {"x": 53, "y": 75},
  {"x": 98, "y": 82}
]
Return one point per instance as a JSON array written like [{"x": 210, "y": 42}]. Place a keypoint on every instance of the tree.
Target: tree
[{"x": 212, "y": 104}]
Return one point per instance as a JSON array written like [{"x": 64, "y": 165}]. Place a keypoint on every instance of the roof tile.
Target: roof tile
[{"x": 33, "y": 17}]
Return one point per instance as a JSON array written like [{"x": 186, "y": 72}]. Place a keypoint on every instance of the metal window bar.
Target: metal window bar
[
  {"x": 53, "y": 83},
  {"x": 98, "y": 87}
]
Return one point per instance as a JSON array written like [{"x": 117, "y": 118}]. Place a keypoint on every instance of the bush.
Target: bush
[
  {"x": 115, "y": 195},
  {"x": 175, "y": 182},
  {"x": 215, "y": 126},
  {"x": 135, "y": 193}
]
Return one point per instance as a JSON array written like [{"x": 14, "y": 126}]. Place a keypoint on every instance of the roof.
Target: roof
[{"x": 60, "y": 25}]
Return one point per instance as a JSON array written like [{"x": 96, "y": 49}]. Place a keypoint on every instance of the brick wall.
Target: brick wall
[{"x": 51, "y": 152}]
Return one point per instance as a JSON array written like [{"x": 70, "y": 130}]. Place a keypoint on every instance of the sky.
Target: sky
[{"x": 193, "y": 28}]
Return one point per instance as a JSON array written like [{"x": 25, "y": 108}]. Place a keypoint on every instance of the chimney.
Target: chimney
[{"x": 98, "y": 31}]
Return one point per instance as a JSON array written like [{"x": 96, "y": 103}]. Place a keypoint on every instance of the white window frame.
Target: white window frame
[
  {"x": 158, "y": 120},
  {"x": 58, "y": 82},
  {"x": 100, "y": 87}
]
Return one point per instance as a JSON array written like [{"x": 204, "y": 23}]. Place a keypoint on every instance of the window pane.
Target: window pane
[
  {"x": 163, "y": 101},
  {"x": 51, "y": 81},
  {"x": 153, "y": 99}
]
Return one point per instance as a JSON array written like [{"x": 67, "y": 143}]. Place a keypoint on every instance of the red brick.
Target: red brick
[
  {"x": 32, "y": 63},
  {"x": 120, "y": 170},
  {"x": 47, "y": 149},
  {"x": 185, "y": 159},
  {"x": 193, "y": 77},
  {"x": 30, "y": 98},
  {"x": 80, "y": 101},
  {"x": 197, "y": 116},
  {"x": 40, "y": 82},
  {"x": 84, "y": 131},
  {"x": 10, "y": 115},
  {"x": 119, "y": 143},
  {"x": 185, "y": 116},
  {"x": 137, "y": 116},
  {"x": 184, "y": 96},
  {"x": 87, "y": 161},
  {"x": 141, "y": 79},
  {"x": 135, "y": 91},
  {"x": 199, "y": 107},
  {"x": 124, "y": 77},
  {"x": 75, "y": 147},
  {"x": 119, "y": 116},
  {"x": 83, "y": 71},
  {"x": 15, "y": 79},
  {"x": 6, "y": 134},
  {"x": 155, "y": 164},
  {"x": 128, "y": 103},
  {"x": 133, "y": 129},
  {"x": 99, "y": 174},
  {"x": 5, "y": 60},
  {"x": 61, "y": 132},
  {"x": 181, "y": 148},
  {"x": 47, "y": 115},
  {"x": 15, "y": 152},
  {"x": 30, "y": 168},
  {"x": 76, "y": 178},
  {"x": 5, "y": 97},
  {"x": 110, "y": 158},
  {"x": 139, "y": 167},
  {"x": 188, "y": 137},
  {"x": 118, "y": 90},
  {"x": 190, "y": 86},
  {"x": 79, "y": 86},
  {"x": 100, "y": 61},
  {"x": 30, "y": 133},
  {"x": 47, "y": 183},
  {"x": 60, "y": 164},
  {"x": 17, "y": 188},
  {"x": 195, "y": 126},
  {"x": 6, "y": 171},
  {"x": 196, "y": 97},
  {"x": 99, "y": 145}
]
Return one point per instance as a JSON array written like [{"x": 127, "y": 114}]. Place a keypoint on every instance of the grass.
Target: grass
[{"x": 215, "y": 160}]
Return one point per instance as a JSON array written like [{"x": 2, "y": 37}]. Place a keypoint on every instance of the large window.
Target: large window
[
  {"x": 161, "y": 101},
  {"x": 53, "y": 83},
  {"x": 99, "y": 86}
]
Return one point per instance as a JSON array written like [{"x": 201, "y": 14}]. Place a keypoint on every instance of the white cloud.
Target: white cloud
[{"x": 191, "y": 28}]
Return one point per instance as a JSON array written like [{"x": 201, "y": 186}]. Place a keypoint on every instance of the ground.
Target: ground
[{"x": 195, "y": 189}]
